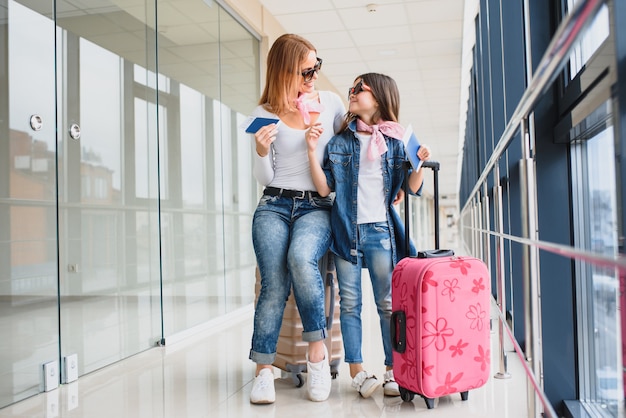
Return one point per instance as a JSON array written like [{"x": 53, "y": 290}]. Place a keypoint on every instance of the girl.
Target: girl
[
  {"x": 291, "y": 225},
  {"x": 363, "y": 164}
]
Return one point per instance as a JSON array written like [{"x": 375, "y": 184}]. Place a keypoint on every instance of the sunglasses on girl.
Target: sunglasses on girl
[
  {"x": 308, "y": 74},
  {"x": 357, "y": 89}
]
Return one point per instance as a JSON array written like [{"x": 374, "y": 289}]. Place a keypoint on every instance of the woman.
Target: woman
[
  {"x": 291, "y": 225},
  {"x": 363, "y": 165}
]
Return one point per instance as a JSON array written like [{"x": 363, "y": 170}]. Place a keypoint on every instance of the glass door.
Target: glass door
[
  {"x": 29, "y": 320},
  {"x": 109, "y": 270}
]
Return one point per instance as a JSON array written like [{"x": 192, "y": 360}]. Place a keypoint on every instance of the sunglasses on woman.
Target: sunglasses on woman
[
  {"x": 308, "y": 74},
  {"x": 357, "y": 89}
]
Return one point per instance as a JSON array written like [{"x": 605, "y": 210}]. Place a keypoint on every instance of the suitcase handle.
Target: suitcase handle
[
  {"x": 434, "y": 165},
  {"x": 331, "y": 308},
  {"x": 434, "y": 253},
  {"x": 398, "y": 328},
  {"x": 330, "y": 283}
]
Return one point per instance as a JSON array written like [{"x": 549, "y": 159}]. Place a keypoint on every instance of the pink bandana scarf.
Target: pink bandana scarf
[
  {"x": 307, "y": 105},
  {"x": 377, "y": 143}
]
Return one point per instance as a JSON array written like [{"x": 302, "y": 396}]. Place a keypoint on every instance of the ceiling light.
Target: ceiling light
[{"x": 371, "y": 7}]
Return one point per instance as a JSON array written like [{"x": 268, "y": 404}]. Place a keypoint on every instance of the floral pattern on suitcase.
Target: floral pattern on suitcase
[{"x": 446, "y": 302}]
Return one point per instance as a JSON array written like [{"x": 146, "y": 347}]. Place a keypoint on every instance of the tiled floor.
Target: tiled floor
[{"x": 209, "y": 375}]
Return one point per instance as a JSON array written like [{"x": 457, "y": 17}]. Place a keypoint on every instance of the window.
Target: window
[
  {"x": 596, "y": 34},
  {"x": 596, "y": 230}
]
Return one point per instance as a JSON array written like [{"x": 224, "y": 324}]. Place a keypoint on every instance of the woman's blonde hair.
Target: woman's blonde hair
[
  {"x": 283, "y": 75},
  {"x": 385, "y": 92}
]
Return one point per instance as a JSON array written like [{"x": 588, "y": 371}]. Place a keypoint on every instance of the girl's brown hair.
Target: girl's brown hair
[
  {"x": 283, "y": 75},
  {"x": 385, "y": 92}
]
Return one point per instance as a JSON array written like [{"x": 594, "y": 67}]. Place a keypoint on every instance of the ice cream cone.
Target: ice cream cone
[
  {"x": 310, "y": 108},
  {"x": 313, "y": 116}
]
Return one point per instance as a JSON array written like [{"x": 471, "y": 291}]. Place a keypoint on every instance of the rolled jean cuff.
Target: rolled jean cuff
[
  {"x": 313, "y": 336},
  {"x": 262, "y": 358}
]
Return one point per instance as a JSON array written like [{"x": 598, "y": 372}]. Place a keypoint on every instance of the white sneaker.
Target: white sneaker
[
  {"x": 390, "y": 387},
  {"x": 318, "y": 381},
  {"x": 365, "y": 383},
  {"x": 263, "y": 391}
]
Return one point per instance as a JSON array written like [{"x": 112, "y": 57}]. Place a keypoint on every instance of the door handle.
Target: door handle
[{"x": 74, "y": 131}]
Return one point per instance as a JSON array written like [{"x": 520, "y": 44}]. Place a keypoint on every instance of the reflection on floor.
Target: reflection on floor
[{"x": 209, "y": 375}]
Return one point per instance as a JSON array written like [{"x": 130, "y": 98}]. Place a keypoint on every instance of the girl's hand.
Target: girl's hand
[
  {"x": 312, "y": 136},
  {"x": 398, "y": 197},
  {"x": 417, "y": 176},
  {"x": 423, "y": 153},
  {"x": 264, "y": 138}
]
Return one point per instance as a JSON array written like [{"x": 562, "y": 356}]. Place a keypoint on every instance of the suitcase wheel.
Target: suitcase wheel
[
  {"x": 334, "y": 369},
  {"x": 406, "y": 395},
  {"x": 464, "y": 395},
  {"x": 298, "y": 380},
  {"x": 430, "y": 402}
]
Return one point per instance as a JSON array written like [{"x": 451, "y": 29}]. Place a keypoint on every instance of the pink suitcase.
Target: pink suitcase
[{"x": 440, "y": 326}]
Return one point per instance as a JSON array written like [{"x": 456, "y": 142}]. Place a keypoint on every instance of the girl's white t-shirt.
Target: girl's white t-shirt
[
  {"x": 371, "y": 188},
  {"x": 287, "y": 164}
]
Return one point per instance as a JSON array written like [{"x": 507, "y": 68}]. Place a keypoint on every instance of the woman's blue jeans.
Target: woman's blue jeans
[
  {"x": 289, "y": 235},
  {"x": 375, "y": 255}
]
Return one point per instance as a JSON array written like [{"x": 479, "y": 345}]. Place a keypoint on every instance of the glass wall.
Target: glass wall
[
  {"x": 209, "y": 66},
  {"x": 126, "y": 218},
  {"x": 29, "y": 321}
]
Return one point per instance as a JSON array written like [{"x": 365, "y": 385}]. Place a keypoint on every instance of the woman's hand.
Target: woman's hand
[
  {"x": 264, "y": 138},
  {"x": 312, "y": 136},
  {"x": 423, "y": 153}
]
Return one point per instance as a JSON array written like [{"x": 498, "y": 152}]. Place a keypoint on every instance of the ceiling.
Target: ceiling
[
  {"x": 422, "y": 44},
  {"x": 419, "y": 43}
]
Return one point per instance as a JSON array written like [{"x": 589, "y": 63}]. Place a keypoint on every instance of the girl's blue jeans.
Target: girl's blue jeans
[
  {"x": 289, "y": 236},
  {"x": 375, "y": 255}
]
